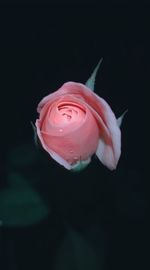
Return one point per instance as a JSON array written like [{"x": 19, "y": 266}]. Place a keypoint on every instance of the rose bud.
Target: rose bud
[{"x": 75, "y": 123}]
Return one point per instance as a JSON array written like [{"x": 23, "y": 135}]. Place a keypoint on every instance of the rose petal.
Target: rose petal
[
  {"x": 54, "y": 155},
  {"x": 111, "y": 153},
  {"x": 106, "y": 156}
]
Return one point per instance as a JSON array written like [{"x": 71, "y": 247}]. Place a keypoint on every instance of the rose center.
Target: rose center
[{"x": 70, "y": 112}]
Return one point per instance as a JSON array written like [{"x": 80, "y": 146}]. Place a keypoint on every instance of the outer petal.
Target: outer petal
[
  {"x": 110, "y": 154},
  {"x": 106, "y": 155},
  {"x": 54, "y": 155}
]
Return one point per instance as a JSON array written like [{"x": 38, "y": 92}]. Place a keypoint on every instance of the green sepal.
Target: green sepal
[
  {"x": 120, "y": 119},
  {"x": 35, "y": 134},
  {"x": 80, "y": 165},
  {"x": 91, "y": 81}
]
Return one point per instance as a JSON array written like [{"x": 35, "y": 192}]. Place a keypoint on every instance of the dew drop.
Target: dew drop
[
  {"x": 75, "y": 158},
  {"x": 60, "y": 130}
]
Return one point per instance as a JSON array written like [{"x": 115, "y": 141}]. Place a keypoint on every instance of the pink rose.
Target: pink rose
[{"x": 74, "y": 123}]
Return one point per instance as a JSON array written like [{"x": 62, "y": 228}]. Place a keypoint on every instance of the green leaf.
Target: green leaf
[
  {"x": 91, "y": 81},
  {"x": 75, "y": 253},
  {"x": 20, "y": 204}
]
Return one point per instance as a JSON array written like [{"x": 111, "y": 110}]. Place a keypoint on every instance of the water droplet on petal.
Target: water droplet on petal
[
  {"x": 60, "y": 130},
  {"x": 75, "y": 158}
]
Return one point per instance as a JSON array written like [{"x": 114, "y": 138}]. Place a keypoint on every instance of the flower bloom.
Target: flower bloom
[{"x": 74, "y": 123}]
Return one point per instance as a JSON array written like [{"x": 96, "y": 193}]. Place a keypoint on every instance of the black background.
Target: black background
[{"x": 41, "y": 48}]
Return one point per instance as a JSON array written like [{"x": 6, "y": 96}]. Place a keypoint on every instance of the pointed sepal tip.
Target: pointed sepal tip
[{"x": 90, "y": 83}]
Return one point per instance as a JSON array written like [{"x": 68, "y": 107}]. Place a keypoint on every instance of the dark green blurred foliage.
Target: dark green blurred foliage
[
  {"x": 20, "y": 203},
  {"x": 21, "y": 206}
]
